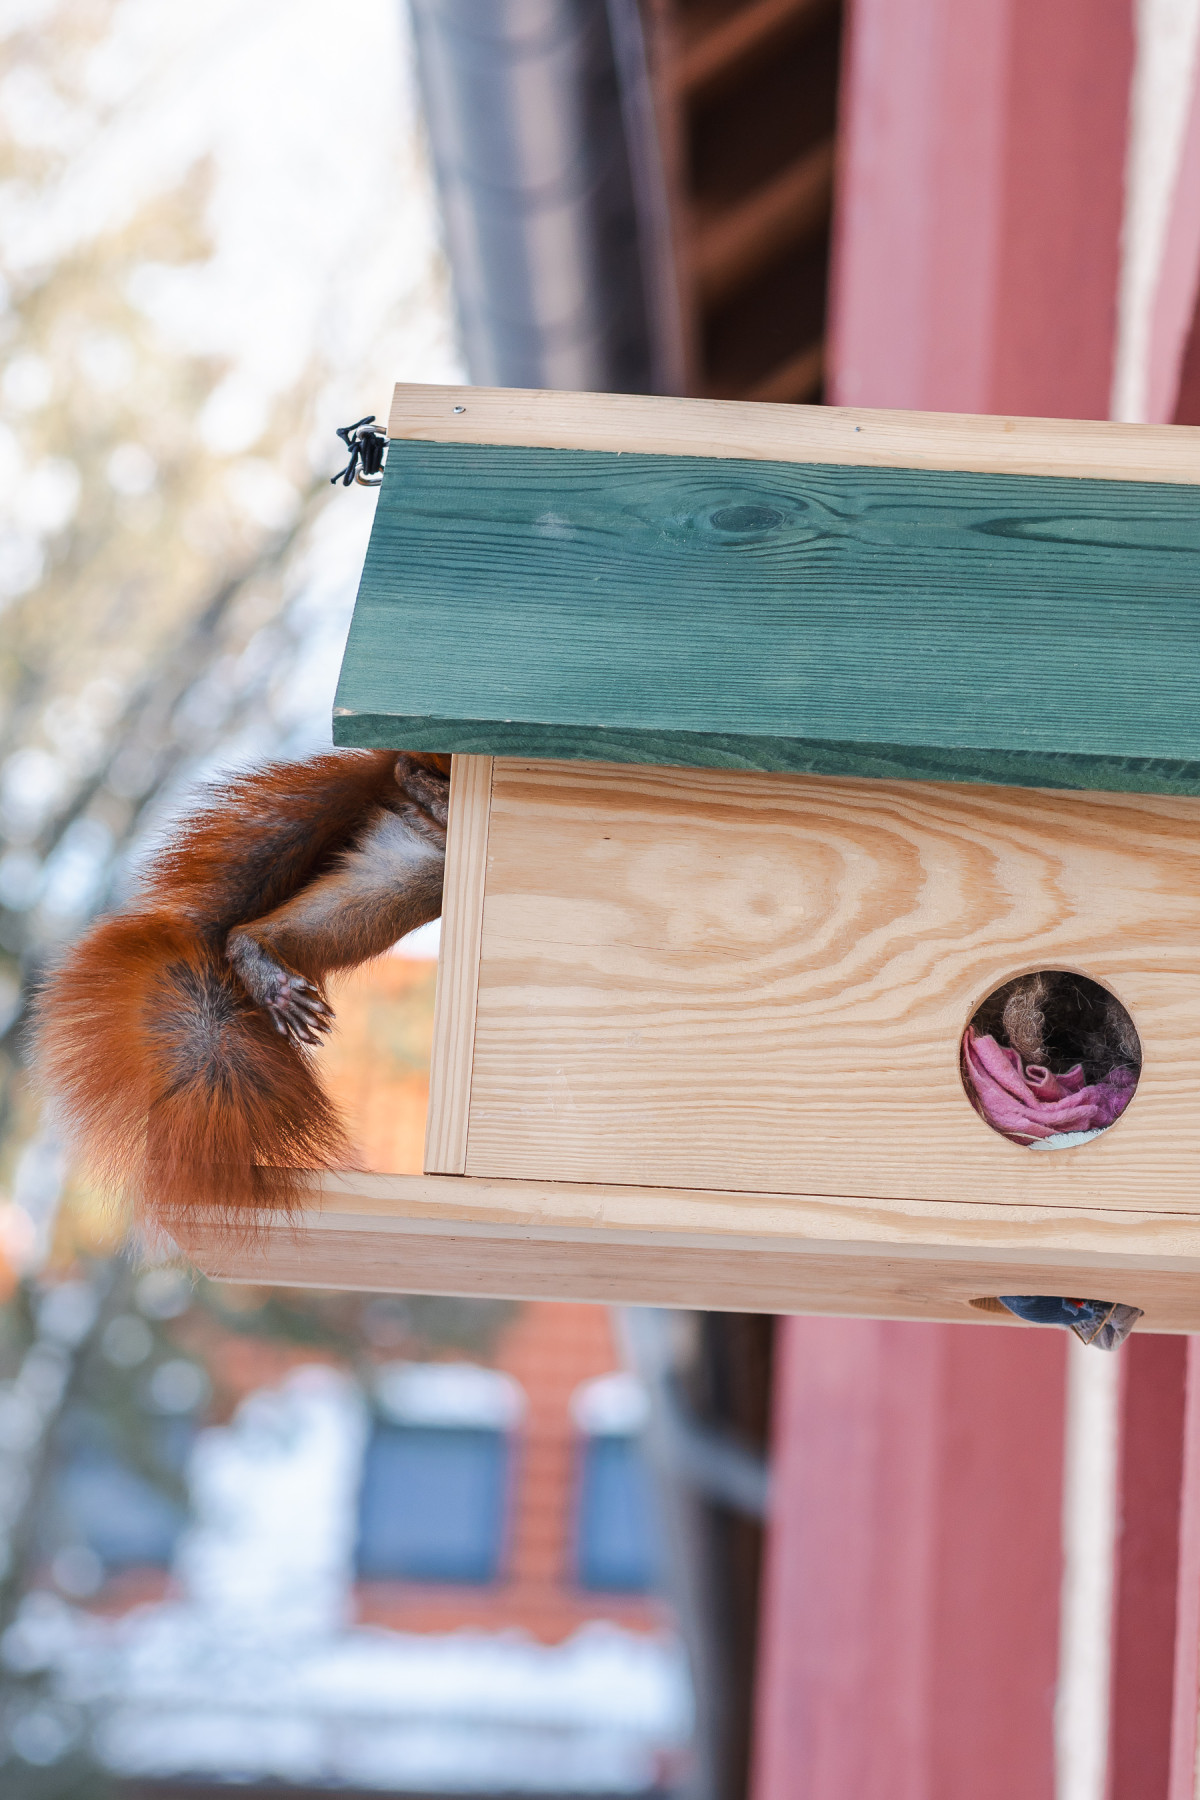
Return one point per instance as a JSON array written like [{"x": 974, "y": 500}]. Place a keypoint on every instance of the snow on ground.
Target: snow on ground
[{"x": 256, "y": 1673}]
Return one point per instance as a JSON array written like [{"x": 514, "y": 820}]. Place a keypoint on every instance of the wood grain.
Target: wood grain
[
  {"x": 458, "y": 965},
  {"x": 846, "y": 435},
  {"x": 749, "y": 982},
  {"x": 786, "y": 615},
  {"x": 657, "y": 1246}
]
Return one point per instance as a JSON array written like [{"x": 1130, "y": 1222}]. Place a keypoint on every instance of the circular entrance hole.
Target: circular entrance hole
[{"x": 1050, "y": 1060}]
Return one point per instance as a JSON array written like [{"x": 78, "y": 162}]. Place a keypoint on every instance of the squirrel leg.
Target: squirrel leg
[{"x": 383, "y": 888}]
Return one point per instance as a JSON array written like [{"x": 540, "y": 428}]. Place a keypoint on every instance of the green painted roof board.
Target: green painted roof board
[{"x": 1022, "y": 629}]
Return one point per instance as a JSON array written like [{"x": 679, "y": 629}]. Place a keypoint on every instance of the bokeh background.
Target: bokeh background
[
  {"x": 280, "y": 1538},
  {"x": 300, "y": 1541}
]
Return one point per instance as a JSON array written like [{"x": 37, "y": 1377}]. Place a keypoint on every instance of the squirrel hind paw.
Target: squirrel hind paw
[
  {"x": 295, "y": 1006},
  {"x": 297, "y": 1010},
  {"x": 428, "y": 792}
]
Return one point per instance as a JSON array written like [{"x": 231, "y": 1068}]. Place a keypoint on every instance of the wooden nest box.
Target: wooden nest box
[{"x": 783, "y": 737}]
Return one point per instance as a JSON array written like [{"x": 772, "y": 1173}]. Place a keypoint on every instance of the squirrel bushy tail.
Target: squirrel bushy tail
[
  {"x": 174, "y": 1080},
  {"x": 178, "y": 1087}
]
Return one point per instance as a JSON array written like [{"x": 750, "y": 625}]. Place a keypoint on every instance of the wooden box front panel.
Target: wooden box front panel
[{"x": 758, "y": 983}]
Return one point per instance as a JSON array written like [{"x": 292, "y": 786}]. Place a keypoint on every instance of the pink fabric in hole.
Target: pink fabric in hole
[{"x": 1030, "y": 1103}]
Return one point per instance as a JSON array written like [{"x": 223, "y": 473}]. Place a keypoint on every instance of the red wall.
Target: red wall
[
  {"x": 910, "y": 1638},
  {"x": 983, "y": 148},
  {"x": 1153, "y": 1378}
]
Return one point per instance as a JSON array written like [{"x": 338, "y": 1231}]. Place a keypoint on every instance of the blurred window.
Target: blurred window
[
  {"x": 128, "y": 1515},
  {"x": 617, "y": 1539},
  {"x": 433, "y": 1504}
]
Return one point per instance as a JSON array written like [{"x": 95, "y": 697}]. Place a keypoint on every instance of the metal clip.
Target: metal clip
[{"x": 367, "y": 445}]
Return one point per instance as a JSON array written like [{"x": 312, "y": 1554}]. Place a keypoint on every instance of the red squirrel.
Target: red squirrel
[{"x": 173, "y": 1036}]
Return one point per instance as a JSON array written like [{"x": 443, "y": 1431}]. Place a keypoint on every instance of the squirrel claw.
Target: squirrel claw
[
  {"x": 298, "y": 1012},
  {"x": 307, "y": 998}
]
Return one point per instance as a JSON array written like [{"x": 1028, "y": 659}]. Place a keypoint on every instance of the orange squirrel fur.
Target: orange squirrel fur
[{"x": 173, "y": 1036}]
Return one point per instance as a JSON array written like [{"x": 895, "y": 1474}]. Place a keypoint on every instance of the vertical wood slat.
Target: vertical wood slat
[
  {"x": 1184, "y": 1783},
  {"x": 915, "y": 1506},
  {"x": 1154, "y": 1382},
  {"x": 983, "y": 277},
  {"x": 458, "y": 966}
]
